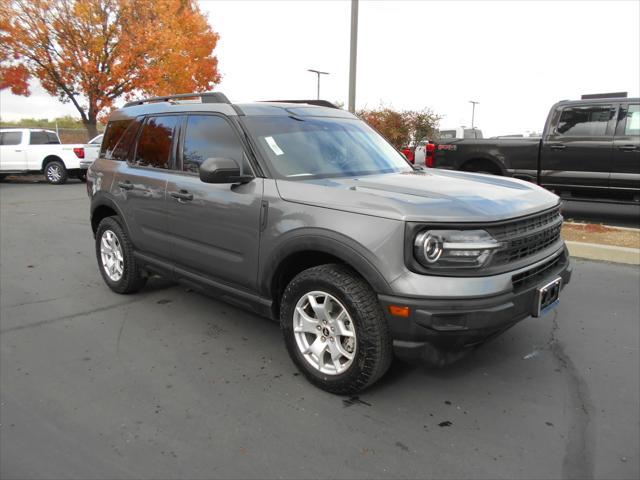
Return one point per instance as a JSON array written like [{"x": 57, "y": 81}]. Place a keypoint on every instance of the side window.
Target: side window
[
  {"x": 38, "y": 138},
  {"x": 210, "y": 136},
  {"x": 156, "y": 141},
  {"x": 52, "y": 138},
  {"x": 10, "y": 138},
  {"x": 633, "y": 121},
  {"x": 584, "y": 121},
  {"x": 122, "y": 147}
]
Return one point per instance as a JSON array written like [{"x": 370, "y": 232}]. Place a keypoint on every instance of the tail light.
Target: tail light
[
  {"x": 430, "y": 159},
  {"x": 79, "y": 151}
]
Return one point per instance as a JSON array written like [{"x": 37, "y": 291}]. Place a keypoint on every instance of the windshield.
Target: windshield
[{"x": 313, "y": 147}]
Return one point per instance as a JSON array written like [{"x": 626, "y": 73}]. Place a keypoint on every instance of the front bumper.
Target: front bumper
[{"x": 453, "y": 324}]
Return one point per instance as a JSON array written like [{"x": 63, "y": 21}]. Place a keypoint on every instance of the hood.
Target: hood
[{"x": 431, "y": 195}]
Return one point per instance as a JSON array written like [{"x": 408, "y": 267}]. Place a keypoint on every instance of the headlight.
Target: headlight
[{"x": 454, "y": 248}]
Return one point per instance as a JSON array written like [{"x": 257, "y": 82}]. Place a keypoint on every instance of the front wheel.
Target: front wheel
[
  {"x": 55, "y": 173},
  {"x": 334, "y": 329}
]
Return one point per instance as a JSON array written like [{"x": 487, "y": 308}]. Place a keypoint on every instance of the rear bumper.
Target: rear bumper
[{"x": 450, "y": 324}]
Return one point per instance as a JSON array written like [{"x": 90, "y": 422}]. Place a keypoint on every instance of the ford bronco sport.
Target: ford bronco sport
[{"x": 304, "y": 214}]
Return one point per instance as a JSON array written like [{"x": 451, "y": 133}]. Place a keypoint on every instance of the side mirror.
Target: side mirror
[{"x": 222, "y": 170}]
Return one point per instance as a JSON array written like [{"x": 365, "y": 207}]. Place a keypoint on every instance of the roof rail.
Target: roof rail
[
  {"x": 319, "y": 103},
  {"x": 205, "y": 97}
]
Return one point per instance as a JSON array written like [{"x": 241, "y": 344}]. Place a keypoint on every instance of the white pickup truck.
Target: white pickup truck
[{"x": 30, "y": 150}]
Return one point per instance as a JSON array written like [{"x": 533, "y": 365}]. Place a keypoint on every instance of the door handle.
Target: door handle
[
  {"x": 182, "y": 195},
  {"x": 628, "y": 148},
  {"x": 557, "y": 147},
  {"x": 126, "y": 185},
  {"x": 18, "y": 151}
]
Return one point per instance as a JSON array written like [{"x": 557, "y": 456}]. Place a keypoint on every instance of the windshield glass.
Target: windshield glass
[{"x": 312, "y": 147}]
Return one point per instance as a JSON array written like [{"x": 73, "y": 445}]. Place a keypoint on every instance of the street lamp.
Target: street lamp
[
  {"x": 473, "y": 112},
  {"x": 318, "y": 72}
]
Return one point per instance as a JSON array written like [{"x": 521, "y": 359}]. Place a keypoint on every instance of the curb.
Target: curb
[
  {"x": 612, "y": 227},
  {"x": 609, "y": 253}
]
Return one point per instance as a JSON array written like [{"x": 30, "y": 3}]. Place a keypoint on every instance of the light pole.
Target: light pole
[
  {"x": 473, "y": 112},
  {"x": 352, "y": 56},
  {"x": 318, "y": 72}
]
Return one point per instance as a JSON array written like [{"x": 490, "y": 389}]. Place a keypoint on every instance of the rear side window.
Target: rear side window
[
  {"x": 10, "y": 138},
  {"x": 43, "y": 138},
  {"x": 209, "y": 136},
  {"x": 633, "y": 121},
  {"x": 156, "y": 141},
  {"x": 119, "y": 147},
  {"x": 584, "y": 121}
]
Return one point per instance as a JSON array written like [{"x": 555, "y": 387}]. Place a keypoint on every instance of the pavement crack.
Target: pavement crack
[
  {"x": 67, "y": 317},
  {"x": 578, "y": 458}
]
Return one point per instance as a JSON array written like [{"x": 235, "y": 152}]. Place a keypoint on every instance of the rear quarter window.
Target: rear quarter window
[
  {"x": 118, "y": 139},
  {"x": 10, "y": 138}
]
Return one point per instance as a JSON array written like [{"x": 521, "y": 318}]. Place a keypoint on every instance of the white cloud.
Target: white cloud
[{"x": 515, "y": 58}]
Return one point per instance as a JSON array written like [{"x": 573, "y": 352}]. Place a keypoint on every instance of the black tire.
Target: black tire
[
  {"x": 55, "y": 172},
  {"x": 132, "y": 278},
  {"x": 373, "y": 353},
  {"x": 82, "y": 177}
]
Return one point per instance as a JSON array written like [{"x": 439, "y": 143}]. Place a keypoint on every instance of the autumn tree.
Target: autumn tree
[
  {"x": 401, "y": 128},
  {"x": 93, "y": 52}
]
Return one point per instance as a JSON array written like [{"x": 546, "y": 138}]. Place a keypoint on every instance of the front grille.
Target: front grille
[
  {"x": 526, "y": 237},
  {"x": 522, "y": 280}
]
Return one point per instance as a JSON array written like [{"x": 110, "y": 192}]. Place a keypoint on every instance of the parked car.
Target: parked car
[
  {"x": 408, "y": 154},
  {"x": 29, "y": 150},
  {"x": 91, "y": 151},
  {"x": 589, "y": 150},
  {"x": 306, "y": 215},
  {"x": 425, "y": 152},
  {"x": 460, "y": 132}
]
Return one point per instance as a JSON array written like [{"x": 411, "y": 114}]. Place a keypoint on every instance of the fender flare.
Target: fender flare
[
  {"x": 325, "y": 241},
  {"x": 101, "y": 199}
]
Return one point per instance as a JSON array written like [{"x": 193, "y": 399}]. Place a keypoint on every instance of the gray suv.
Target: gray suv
[{"x": 302, "y": 213}]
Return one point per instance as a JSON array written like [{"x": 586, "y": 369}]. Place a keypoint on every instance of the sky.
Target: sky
[{"x": 516, "y": 58}]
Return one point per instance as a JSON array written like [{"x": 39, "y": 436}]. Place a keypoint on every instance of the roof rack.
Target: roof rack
[
  {"x": 319, "y": 103},
  {"x": 205, "y": 97}
]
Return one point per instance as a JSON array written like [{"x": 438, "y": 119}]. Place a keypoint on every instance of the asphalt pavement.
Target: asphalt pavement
[
  {"x": 167, "y": 383},
  {"x": 614, "y": 214}
]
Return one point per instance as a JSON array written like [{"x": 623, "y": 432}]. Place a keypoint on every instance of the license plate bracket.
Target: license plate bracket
[{"x": 547, "y": 297}]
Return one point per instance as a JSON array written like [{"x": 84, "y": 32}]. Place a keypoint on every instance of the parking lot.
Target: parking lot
[{"x": 171, "y": 384}]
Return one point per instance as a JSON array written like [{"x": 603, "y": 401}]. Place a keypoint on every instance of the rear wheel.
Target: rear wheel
[
  {"x": 116, "y": 261},
  {"x": 55, "y": 172},
  {"x": 334, "y": 329},
  {"x": 481, "y": 166}
]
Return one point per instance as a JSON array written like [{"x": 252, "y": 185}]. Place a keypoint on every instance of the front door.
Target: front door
[
  {"x": 13, "y": 156},
  {"x": 576, "y": 155},
  {"x": 141, "y": 184},
  {"x": 215, "y": 228},
  {"x": 625, "y": 174}
]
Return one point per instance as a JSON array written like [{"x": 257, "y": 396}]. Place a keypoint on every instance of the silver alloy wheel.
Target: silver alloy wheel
[
  {"x": 324, "y": 332},
  {"x": 111, "y": 255},
  {"x": 54, "y": 173}
]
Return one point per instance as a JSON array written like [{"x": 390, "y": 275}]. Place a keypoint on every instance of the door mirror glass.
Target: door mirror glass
[{"x": 222, "y": 170}]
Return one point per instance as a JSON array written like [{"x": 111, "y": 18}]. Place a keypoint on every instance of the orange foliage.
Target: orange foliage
[{"x": 92, "y": 52}]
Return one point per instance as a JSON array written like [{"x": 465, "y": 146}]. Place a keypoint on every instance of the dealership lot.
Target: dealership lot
[{"x": 168, "y": 383}]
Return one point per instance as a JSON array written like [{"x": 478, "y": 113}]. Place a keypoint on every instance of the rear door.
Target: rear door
[
  {"x": 13, "y": 156},
  {"x": 141, "y": 181},
  {"x": 215, "y": 228},
  {"x": 577, "y": 153},
  {"x": 625, "y": 174}
]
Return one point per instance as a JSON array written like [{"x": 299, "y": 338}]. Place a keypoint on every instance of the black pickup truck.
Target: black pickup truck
[{"x": 589, "y": 150}]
